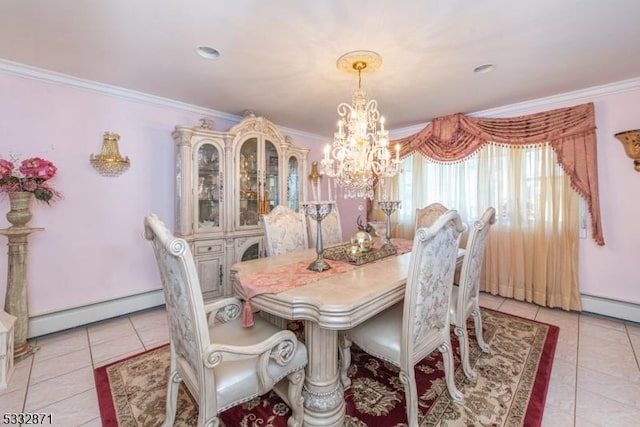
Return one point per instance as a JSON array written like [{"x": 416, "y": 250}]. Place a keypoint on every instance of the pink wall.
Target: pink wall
[
  {"x": 92, "y": 249},
  {"x": 611, "y": 271}
]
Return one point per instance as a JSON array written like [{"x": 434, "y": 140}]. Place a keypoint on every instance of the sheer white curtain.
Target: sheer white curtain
[{"x": 532, "y": 251}]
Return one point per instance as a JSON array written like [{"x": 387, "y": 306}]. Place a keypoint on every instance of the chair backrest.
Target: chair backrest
[
  {"x": 284, "y": 230},
  {"x": 469, "y": 282},
  {"x": 428, "y": 215},
  {"x": 429, "y": 282},
  {"x": 188, "y": 329},
  {"x": 331, "y": 229}
]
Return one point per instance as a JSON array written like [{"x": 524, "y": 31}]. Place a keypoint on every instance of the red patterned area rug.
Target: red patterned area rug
[{"x": 510, "y": 391}]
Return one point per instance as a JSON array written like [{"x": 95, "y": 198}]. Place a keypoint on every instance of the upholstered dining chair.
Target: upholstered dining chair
[
  {"x": 284, "y": 230},
  {"x": 426, "y": 216},
  {"x": 331, "y": 229},
  {"x": 411, "y": 330},
  {"x": 221, "y": 363},
  {"x": 465, "y": 299}
]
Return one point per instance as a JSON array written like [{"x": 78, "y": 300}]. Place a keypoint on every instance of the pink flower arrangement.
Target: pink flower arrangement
[{"x": 31, "y": 176}]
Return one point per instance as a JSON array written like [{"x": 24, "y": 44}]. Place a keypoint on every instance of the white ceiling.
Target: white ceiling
[{"x": 278, "y": 57}]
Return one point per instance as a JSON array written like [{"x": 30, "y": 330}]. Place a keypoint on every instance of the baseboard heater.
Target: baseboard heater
[{"x": 79, "y": 316}]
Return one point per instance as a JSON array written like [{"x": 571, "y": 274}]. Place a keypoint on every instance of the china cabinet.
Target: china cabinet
[{"x": 224, "y": 182}]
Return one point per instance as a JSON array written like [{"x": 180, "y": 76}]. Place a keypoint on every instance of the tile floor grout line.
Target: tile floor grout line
[{"x": 633, "y": 350}]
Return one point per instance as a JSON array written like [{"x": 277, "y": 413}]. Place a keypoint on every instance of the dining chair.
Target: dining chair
[
  {"x": 426, "y": 216},
  {"x": 284, "y": 230},
  {"x": 411, "y": 330},
  {"x": 331, "y": 229},
  {"x": 221, "y": 363},
  {"x": 465, "y": 299}
]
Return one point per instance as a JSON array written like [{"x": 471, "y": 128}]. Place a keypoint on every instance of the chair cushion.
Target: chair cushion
[
  {"x": 381, "y": 335},
  {"x": 236, "y": 380}
]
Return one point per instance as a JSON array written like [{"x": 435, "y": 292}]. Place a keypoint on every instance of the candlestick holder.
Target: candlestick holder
[
  {"x": 318, "y": 211},
  {"x": 388, "y": 207}
]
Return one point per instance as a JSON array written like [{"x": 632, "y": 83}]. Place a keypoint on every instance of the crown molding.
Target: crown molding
[
  {"x": 552, "y": 101},
  {"x": 22, "y": 70},
  {"x": 548, "y": 102}
]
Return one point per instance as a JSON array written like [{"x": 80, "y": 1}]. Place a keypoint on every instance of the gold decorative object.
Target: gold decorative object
[
  {"x": 631, "y": 141},
  {"x": 360, "y": 150},
  {"x": 109, "y": 162},
  {"x": 352, "y": 254},
  {"x": 314, "y": 176},
  {"x": 362, "y": 240}
]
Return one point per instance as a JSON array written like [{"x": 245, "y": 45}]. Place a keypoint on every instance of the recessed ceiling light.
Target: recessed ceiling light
[
  {"x": 208, "y": 52},
  {"x": 485, "y": 68}
]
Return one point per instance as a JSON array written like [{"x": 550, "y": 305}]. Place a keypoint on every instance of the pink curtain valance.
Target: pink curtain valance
[{"x": 570, "y": 131}]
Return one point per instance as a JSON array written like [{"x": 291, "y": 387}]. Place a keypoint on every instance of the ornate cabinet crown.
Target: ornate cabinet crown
[{"x": 224, "y": 182}]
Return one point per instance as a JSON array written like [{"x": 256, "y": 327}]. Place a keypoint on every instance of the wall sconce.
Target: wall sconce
[
  {"x": 109, "y": 162},
  {"x": 631, "y": 141}
]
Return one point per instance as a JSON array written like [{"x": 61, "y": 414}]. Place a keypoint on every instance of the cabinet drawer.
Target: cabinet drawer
[{"x": 209, "y": 247}]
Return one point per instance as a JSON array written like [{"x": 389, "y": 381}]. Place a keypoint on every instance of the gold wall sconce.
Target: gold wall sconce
[
  {"x": 631, "y": 141},
  {"x": 109, "y": 162}
]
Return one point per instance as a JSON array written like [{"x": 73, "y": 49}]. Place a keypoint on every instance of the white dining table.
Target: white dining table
[{"x": 332, "y": 303}]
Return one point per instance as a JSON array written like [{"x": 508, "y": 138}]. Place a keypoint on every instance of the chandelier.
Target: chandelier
[{"x": 360, "y": 150}]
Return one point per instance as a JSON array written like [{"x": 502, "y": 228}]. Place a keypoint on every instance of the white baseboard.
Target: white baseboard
[
  {"x": 66, "y": 319},
  {"x": 611, "y": 308}
]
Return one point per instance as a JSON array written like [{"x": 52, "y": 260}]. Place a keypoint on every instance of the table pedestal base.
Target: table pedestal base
[{"x": 323, "y": 393}]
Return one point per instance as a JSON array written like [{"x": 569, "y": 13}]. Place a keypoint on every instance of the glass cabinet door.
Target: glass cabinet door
[
  {"x": 249, "y": 183},
  {"x": 293, "y": 183},
  {"x": 252, "y": 252},
  {"x": 271, "y": 195},
  {"x": 208, "y": 187}
]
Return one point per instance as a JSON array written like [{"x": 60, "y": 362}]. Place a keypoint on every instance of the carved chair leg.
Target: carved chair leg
[
  {"x": 344, "y": 351},
  {"x": 408, "y": 378},
  {"x": 172, "y": 396},
  {"x": 294, "y": 393},
  {"x": 449, "y": 373},
  {"x": 463, "y": 340},
  {"x": 477, "y": 321}
]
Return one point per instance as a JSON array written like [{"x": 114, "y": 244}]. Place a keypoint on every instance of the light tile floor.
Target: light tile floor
[{"x": 595, "y": 379}]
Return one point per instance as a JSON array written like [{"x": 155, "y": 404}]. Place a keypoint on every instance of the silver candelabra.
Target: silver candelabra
[
  {"x": 318, "y": 211},
  {"x": 388, "y": 207}
]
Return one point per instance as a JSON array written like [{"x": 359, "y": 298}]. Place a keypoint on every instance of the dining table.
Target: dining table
[{"x": 326, "y": 302}]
